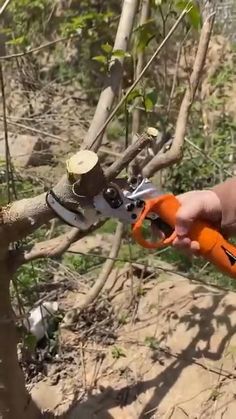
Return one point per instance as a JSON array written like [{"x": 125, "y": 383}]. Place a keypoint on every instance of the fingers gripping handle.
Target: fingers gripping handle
[
  {"x": 213, "y": 246},
  {"x": 165, "y": 207}
]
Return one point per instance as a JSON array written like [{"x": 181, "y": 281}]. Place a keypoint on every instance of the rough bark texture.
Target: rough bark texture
[
  {"x": 15, "y": 402},
  {"x": 21, "y": 218}
]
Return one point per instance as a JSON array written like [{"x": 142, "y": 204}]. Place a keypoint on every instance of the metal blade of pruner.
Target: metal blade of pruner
[{"x": 124, "y": 199}]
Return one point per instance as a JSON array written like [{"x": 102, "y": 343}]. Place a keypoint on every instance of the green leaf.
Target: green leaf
[
  {"x": 158, "y": 2},
  {"x": 152, "y": 342},
  {"x": 134, "y": 94},
  {"x": 117, "y": 352},
  {"x": 145, "y": 33},
  {"x": 119, "y": 53},
  {"x": 107, "y": 48},
  {"x": 30, "y": 341},
  {"x": 100, "y": 59},
  {"x": 148, "y": 104},
  {"x": 150, "y": 99},
  {"x": 194, "y": 14},
  {"x": 17, "y": 41}
]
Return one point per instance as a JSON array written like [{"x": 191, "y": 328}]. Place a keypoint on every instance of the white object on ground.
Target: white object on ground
[{"x": 37, "y": 321}]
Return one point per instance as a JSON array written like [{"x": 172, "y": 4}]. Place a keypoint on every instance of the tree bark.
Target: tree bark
[
  {"x": 110, "y": 92},
  {"x": 15, "y": 402}
]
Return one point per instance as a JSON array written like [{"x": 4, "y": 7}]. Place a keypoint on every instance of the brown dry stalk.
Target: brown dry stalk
[
  {"x": 99, "y": 284},
  {"x": 106, "y": 270}
]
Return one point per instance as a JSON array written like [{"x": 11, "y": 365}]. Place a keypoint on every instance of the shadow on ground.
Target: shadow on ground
[{"x": 206, "y": 320}]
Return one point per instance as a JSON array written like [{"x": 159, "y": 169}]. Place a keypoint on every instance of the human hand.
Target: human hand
[{"x": 195, "y": 205}]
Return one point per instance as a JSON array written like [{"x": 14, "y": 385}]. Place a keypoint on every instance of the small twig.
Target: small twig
[
  {"x": 176, "y": 72},
  {"x": 39, "y": 48},
  {"x": 7, "y": 151},
  {"x": 207, "y": 157},
  {"x": 102, "y": 149},
  {"x": 4, "y": 6},
  {"x": 52, "y": 228},
  {"x": 161, "y": 268},
  {"x": 36, "y": 130},
  {"x": 83, "y": 366},
  {"x": 124, "y": 98},
  {"x": 23, "y": 314},
  {"x": 97, "y": 367}
]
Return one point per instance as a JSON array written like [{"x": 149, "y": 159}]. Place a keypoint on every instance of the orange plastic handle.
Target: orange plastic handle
[{"x": 213, "y": 246}]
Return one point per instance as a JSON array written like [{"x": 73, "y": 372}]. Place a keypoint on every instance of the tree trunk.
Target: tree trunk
[{"x": 15, "y": 402}]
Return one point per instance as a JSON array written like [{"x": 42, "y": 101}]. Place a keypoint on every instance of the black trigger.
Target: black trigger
[
  {"x": 231, "y": 257},
  {"x": 163, "y": 226}
]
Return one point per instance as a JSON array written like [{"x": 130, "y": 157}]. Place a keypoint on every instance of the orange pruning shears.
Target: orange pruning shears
[{"x": 140, "y": 201}]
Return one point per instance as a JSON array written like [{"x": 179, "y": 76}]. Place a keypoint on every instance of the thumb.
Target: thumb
[{"x": 189, "y": 211}]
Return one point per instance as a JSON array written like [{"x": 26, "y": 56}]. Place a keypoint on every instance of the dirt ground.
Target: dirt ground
[{"x": 173, "y": 356}]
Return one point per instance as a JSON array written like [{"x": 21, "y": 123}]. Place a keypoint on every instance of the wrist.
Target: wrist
[{"x": 216, "y": 205}]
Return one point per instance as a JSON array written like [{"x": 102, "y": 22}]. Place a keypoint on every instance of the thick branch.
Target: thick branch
[
  {"x": 22, "y": 218},
  {"x": 111, "y": 91},
  {"x": 25, "y": 216},
  {"x": 176, "y": 151},
  {"x": 50, "y": 248},
  {"x": 15, "y": 402}
]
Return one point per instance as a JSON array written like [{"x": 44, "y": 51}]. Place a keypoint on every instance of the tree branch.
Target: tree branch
[
  {"x": 111, "y": 91},
  {"x": 131, "y": 152},
  {"x": 99, "y": 284},
  {"x": 23, "y": 217},
  {"x": 176, "y": 151},
  {"x": 49, "y": 248},
  {"x": 135, "y": 83}
]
